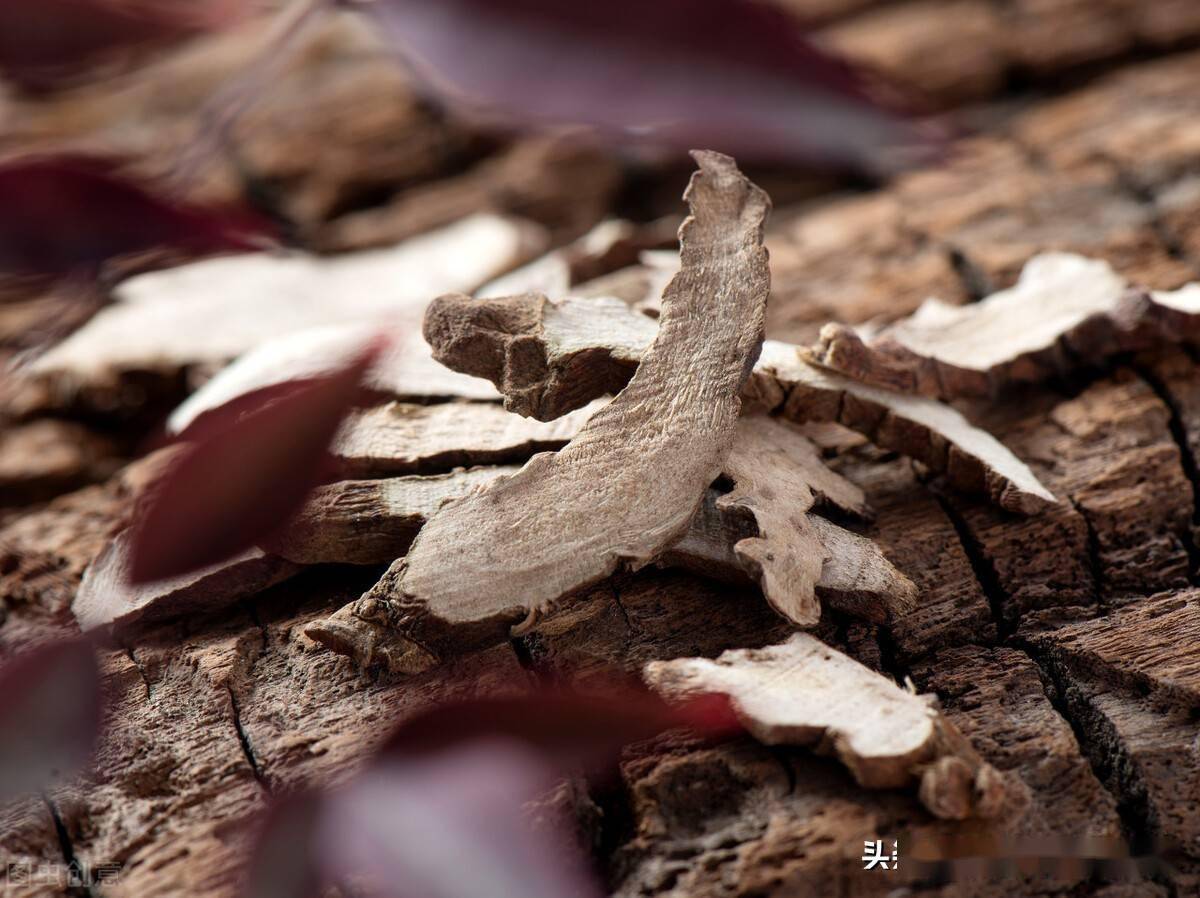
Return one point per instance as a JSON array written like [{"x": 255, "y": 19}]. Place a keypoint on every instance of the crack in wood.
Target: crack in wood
[
  {"x": 1179, "y": 433},
  {"x": 1005, "y": 615},
  {"x": 244, "y": 741},
  {"x": 67, "y": 847},
  {"x": 1101, "y": 745},
  {"x": 1095, "y": 562}
]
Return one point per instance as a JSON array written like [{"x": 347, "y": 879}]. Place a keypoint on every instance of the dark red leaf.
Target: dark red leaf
[
  {"x": 248, "y": 468},
  {"x": 45, "y": 41},
  {"x": 444, "y": 825},
  {"x": 731, "y": 75},
  {"x": 452, "y": 825},
  {"x": 570, "y": 729},
  {"x": 50, "y": 715},
  {"x": 284, "y": 862},
  {"x": 69, "y": 214}
]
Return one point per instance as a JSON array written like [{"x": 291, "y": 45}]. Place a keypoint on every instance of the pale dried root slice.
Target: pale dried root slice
[
  {"x": 105, "y": 598},
  {"x": 401, "y": 438},
  {"x": 763, "y": 530},
  {"x": 802, "y": 692},
  {"x": 771, "y": 473},
  {"x": 626, "y": 487},
  {"x": 549, "y": 357},
  {"x": 371, "y": 521},
  {"x": 213, "y": 311},
  {"x": 926, "y": 430},
  {"x": 404, "y": 370},
  {"x": 351, "y": 522},
  {"x": 856, "y": 577},
  {"x": 1063, "y": 308}
]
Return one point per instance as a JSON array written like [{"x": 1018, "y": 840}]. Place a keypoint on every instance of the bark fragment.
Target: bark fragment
[
  {"x": 371, "y": 521},
  {"x": 105, "y": 597},
  {"x": 804, "y": 693},
  {"x": 400, "y": 438},
  {"x": 548, "y": 357},
  {"x": 1064, "y": 308},
  {"x": 628, "y": 484}
]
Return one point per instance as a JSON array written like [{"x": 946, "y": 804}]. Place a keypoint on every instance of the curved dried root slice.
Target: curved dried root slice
[
  {"x": 802, "y": 692},
  {"x": 549, "y": 357},
  {"x": 626, "y": 487},
  {"x": 1064, "y": 308},
  {"x": 924, "y": 429}
]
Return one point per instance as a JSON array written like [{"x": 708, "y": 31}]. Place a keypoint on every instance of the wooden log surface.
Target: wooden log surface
[{"x": 1061, "y": 644}]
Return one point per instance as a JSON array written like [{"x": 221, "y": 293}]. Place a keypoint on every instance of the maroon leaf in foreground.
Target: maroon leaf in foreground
[
  {"x": 439, "y": 813},
  {"x": 445, "y": 825},
  {"x": 570, "y": 730},
  {"x": 249, "y": 467},
  {"x": 451, "y": 825},
  {"x": 44, "y": 41},
  {"x": 69, "y": 214},
  {"x": 50, "y": 715},
  {"x": 731, "y": 75}
]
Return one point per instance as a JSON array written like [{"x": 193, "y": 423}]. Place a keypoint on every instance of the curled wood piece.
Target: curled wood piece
[
  {"x": 1065, "y": 309},
  {"x": 371, "y": 521},
  {"x": 165, "y": 320},
  {"x": 802, "y": 692},
  {"x": 924, "y": 429},
  {"x": 628, "y": 484},
  {"x": 549, "y": 357},
  {"x": 105, "y": 598},
  {"x": 399, "y": 438}
]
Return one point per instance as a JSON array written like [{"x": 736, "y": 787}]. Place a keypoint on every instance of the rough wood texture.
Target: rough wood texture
[
  {"x": 569, "y": 519},
  {"x": 1059, "y": 644},
  {"x": 1064, "y": 312}
]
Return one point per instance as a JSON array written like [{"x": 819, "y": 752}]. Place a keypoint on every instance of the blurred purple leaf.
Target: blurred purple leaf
[
  {"x": 249, "y": 466},
  {"x": 570, "y": 730},
  {"x": 731, "y": 75},
  {"x": 50, "y": 715},
  {"x": 445, "y": 825},
  {"x": 284, "y": 862},
  {"x": 451, "y": 825},
  {"x": 42, "y": 43},
  {"x": 66, "y": 215}
]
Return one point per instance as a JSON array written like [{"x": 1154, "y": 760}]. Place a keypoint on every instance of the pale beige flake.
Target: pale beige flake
[
  {"x": 1065, "y": 310},
  {"x": 802, "y": 692},
  {"x": 212, "y": 311}
]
